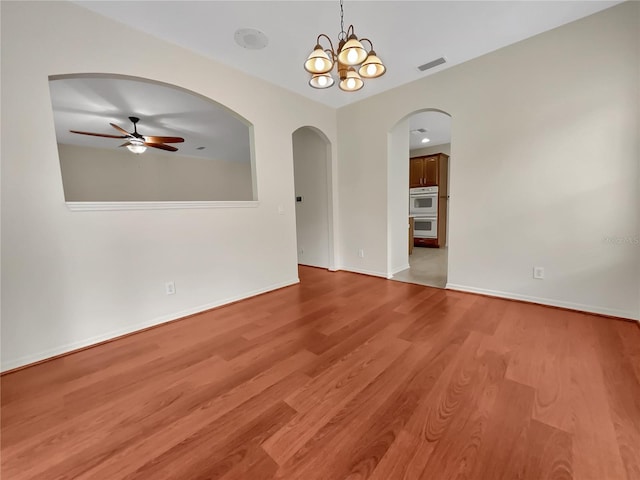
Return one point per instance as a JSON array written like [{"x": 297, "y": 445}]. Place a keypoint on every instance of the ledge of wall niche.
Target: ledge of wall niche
[{"x": 99, "y": 206}]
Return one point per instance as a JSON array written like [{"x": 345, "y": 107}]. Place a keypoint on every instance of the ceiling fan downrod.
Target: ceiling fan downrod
[{"x": 135, "y": 120}]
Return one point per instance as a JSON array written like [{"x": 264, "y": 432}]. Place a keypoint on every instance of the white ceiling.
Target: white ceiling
[
  {"x": 438, "y": 126},
  {"x": 89, "y": 103},
  {"x": 405, "y": 34}
]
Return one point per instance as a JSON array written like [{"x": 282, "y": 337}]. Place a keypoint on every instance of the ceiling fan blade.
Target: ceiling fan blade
[
  {"x": 126, "y": 144},
  {"x": 154, "y": 139},
  {"x": 161, "y": 146},
  {"x": 120, "y": 129},
  {"x": 99, "y": 134}
]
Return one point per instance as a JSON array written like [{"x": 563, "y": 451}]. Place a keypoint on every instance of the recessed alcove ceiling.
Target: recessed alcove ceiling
[
  {"x": 437, "y": 124},
  {"x": 405, "y": 34}
]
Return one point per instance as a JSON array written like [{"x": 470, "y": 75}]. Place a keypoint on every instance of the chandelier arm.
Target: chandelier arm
[
  {"x": 350, "y": 29},
  {"x": 328, "y": 39},
  {"x": 367, "y": 40}
]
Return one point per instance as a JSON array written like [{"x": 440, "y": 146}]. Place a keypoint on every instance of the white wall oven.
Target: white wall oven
[
  {"x": 423, "y": 201},
  {"x": 425, "y": 227}
]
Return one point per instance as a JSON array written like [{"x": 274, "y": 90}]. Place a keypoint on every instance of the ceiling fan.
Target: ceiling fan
[{"x": 136, "y": 142}]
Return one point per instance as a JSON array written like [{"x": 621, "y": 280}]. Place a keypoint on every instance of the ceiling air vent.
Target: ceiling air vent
[
  {"x": 419, "y": 131},
  {"x": 431, "y": 64}
]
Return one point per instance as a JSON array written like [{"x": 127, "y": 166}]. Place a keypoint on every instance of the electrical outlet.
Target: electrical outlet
[
  {"x": 280, "y": 210},
  {"x": 361, "y": 252},
  {"x": 170, "y": 288},
  {"x": 538, "y": 273}
]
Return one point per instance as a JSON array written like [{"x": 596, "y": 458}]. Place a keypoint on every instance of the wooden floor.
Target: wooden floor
[{"x": 342, "y": 376}]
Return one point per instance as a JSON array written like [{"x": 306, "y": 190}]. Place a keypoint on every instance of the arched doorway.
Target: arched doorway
[
  {"x": 312, "y": 181},
  {"x": 419, "y": 154}
]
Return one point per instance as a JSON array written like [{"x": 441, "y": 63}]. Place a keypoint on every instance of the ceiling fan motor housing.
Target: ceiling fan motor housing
[{"x": 135, "y": 133}]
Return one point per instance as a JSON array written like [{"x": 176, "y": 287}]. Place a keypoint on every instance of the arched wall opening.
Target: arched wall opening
[
  {"x": 195, "y": 149},
  {"x": 314, "y": 199},
  {"x": 399, "y": 217}
]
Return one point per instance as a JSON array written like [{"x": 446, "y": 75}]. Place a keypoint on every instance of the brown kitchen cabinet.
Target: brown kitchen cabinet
[
  {"x": 427, "y": 171},
  {"x": 431, "y": 168},
  {"x": 416, "y": 172}
]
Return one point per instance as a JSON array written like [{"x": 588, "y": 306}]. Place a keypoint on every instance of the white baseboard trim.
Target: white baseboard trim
[
  {"x": 399, "y": 269},
  {"x": 314, "y": 265},
  {"x": 547, "y": 301},
  {"x": 69, "y": 347},
  {"x": 363, "y": 271}
]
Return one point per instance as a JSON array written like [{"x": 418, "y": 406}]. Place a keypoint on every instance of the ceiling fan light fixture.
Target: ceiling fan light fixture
[
  {"x": 136, "y": 146},
  {"x": 318, "y": 61},
  {"x": 321, "y": 80},
  {"x": 372, "y": 66}
]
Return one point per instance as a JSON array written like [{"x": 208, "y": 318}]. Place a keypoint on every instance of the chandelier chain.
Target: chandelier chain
[{"x": 343, "y": 34}]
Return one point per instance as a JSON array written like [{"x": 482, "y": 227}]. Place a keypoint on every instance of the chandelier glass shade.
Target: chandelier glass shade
[
  {"x": 352, "y": 53},
  {"x": 318, "y": 61},
  {"x": 321, "y": 80},
  {"x": 372, "y": 67},
  {"x": 351, "y": 58},
  {"x": 352, "y": 81}
]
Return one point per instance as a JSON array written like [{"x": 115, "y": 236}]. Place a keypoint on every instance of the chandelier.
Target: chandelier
[{"x": 349, "y": 56}]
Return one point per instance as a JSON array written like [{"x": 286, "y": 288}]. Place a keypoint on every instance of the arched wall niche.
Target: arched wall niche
[{"x": 213, "y": 166}]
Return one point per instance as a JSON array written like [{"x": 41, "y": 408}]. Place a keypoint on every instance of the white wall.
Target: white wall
[
  {"x": 73, "y": 278},
  {"x": 546, "y": 166},
  {"x": 444, "y": 148},
  {"x": 311, "y": 154},
  {"x": 398, "y": 198},
  {"x": 117, "y": 175}
]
